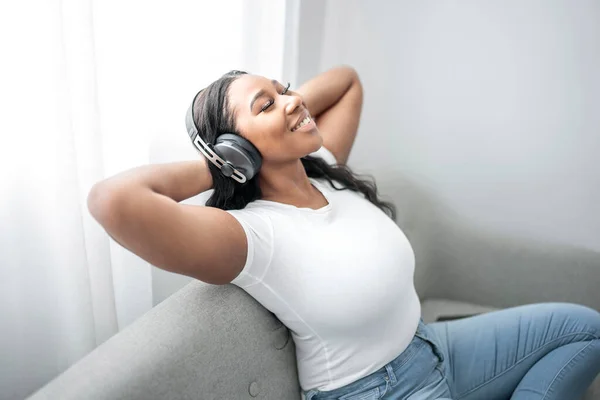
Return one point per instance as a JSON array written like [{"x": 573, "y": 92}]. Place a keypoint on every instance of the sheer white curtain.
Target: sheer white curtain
[{"x": 89, "y": 89}]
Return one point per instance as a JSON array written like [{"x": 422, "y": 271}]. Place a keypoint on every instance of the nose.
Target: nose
[{"x": 293, "y": 102}]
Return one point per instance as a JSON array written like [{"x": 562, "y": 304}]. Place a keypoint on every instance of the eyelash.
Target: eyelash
[{"x": 271, "y": 102}]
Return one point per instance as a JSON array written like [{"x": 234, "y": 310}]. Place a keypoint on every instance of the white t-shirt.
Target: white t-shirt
[{"x": 340, "y": 278}]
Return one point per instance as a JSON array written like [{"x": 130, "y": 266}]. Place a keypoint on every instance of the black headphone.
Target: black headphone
[{"x": 235, "y": 156}]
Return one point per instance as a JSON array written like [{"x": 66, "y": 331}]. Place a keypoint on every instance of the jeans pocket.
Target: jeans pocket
[
  {"x": 434, "y": 346},
  {"x": 434, "y": 387}
]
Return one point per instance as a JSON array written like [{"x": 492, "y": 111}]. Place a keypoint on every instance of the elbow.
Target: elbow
[
  {"x": 351, "y": 71},
  {"x": 357, "y": 83},
  {"x": 355, "y": 86},
  {"x": 100, "y": 203},
  {"x": 355, "y": 77}
]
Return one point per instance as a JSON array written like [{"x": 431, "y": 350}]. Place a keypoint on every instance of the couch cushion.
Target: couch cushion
[{"x": 433, "y": 310}]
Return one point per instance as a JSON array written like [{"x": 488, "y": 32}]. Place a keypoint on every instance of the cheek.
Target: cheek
[
  {"x": 267, "y": 129},
  {"x": 272, "y": 138},
  {"x": 268, "y": 143}
]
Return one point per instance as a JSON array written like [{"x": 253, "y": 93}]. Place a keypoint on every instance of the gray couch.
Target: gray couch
[{"x": 217, "y": 342}]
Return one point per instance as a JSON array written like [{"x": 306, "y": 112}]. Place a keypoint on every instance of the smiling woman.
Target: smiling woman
[{"x": 255, "y": 233}]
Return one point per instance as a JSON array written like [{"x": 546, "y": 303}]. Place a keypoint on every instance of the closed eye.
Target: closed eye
[{"x": 271, "y": 101}]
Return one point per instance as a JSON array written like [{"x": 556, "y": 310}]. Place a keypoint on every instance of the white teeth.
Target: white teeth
[{"x": 302, "y": 123}]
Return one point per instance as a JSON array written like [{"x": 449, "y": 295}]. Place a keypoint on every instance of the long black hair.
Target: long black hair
[{"x": 213, "y": 117}]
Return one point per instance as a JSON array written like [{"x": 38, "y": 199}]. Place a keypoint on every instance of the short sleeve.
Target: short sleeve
[
  {"x": 326, "y": 155},
  {"x": 259, "y": 236}
]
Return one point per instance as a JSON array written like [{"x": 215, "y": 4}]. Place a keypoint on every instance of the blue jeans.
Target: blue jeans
[{"x": 547, "y": 351}]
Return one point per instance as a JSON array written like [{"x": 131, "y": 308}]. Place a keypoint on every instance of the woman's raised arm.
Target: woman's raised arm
[
  {"x": 334, "y": 98},
  {"x": 140, "y": 210}
]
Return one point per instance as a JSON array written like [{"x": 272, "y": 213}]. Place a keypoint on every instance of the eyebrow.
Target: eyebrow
[{"x": 261, "y": 93}]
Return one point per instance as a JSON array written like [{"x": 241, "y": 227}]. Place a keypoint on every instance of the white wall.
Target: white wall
[{"x": 490, "y": 107}]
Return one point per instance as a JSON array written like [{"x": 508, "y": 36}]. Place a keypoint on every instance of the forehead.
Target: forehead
[{"x": 244, "y": 88}]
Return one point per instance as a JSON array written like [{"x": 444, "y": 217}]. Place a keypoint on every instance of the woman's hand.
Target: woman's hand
[{"x": 334, "y": 97}]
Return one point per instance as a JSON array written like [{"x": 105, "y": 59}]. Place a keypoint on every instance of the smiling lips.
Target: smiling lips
[{"x": 302, "y": 120}]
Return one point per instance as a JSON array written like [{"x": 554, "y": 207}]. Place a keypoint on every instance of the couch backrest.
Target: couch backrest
[{"x": 204, "y": 342}]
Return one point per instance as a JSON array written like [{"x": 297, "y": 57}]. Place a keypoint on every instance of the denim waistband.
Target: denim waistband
[{"x": 423, "y": 337}]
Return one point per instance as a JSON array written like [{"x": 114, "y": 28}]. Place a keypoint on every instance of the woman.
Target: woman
[{"x": 317, "y": 247}]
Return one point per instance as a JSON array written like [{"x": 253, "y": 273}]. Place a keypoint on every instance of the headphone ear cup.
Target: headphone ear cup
[{"x": 239, "y": 152}]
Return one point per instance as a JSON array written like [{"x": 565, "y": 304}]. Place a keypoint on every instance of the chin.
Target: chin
[{"x": 316, "y": 145}]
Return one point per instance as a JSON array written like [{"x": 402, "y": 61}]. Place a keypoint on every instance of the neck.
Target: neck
[{"x": 286, "y": 182}]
